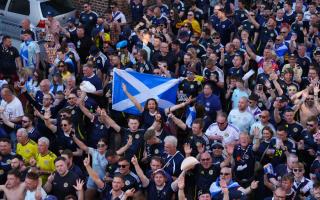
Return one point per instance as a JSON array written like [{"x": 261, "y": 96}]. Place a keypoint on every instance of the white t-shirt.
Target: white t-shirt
[
  {"x": 13, "y": 109},
  {"x": 241, "y": 120},
  {"x": 230, "y": 134},
  {"x": 31, "y": 195}
]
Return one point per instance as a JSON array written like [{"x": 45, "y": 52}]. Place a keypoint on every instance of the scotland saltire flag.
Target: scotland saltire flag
[{"x": 142, "y": 87}]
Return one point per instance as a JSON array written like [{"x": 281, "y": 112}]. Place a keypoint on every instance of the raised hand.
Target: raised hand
[
  {"x": 130, "y": 192},
  {"x": 86, "y": 161},
  {"x": 47, "y": 115},
  {"x": 316, "y": 89},
  {"x": 124, "y": 87},
  {"x": 134, "y": 160},
  {"x": 256, "y": 132},
  {"x": 129, "y": 142},
  {"x": 230, "y": 148},
  {"x": 79, "y": 185}
]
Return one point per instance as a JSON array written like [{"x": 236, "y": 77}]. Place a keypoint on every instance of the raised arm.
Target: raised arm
[
  {"x": 178, "y": 122},
  {"x": 176, "y": 107},
  {"x": 134, "y": 100},
  {"x": 249, "y": 50},
  {"x": 253, "y": 21},
  {"x": 125, "y": 147},
  {"x": 48, "y": 123},
  {"x": 108, "y": 120},
  {"x": 316, "y": 98},
  {"x": 144, "y": 180},
  {"x": 92, "y": 173},
  {"x": 80, "y": 144}
]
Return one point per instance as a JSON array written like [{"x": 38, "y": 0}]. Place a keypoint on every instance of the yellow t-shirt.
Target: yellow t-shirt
[
  {"x": 46, "y": 163},
  {"x": 27, "y": 151}
]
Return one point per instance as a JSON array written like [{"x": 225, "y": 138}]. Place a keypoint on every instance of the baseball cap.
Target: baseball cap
[
  {"x": 216, "y": 145},
  {"x": 71, "y": 20}
]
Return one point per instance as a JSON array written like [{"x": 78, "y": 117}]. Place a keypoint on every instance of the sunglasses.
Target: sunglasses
[
  {"x": 205, "y": 159},
  {"x": 283, "y": 32},
  {"x": 218, "y": 147},
  {"x": 216, "y": 38},
  {"x": 100, "y": 145},
  {"x": 224, "y": 174},
  {"x": 309, "y": 99},
  {"x": 221, "y": 123},
  {"x": 71, "y": 98},
  {"x": 64, "y": 125},
  {"x": 311, "y": 125},
  {"x": 123, "y": 166},
  {"x": 297, "y": 170}
]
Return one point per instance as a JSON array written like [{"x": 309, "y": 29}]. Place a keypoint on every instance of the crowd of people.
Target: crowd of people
[{"x": 245, "y": 125}]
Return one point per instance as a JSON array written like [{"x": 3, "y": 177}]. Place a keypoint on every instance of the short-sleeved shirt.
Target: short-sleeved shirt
[
  {"x": 28, "y": 51},
  {"x": 229, "y": 134},
  {"x": 46, "y": 163},
  {"x": 8, "y": 59},
  {"x": 241, "y": 120},
  {"x": 99, "y": 161},
  {"x": 211, "y": 104},
  {"x": 62, "y": 186},
  {"x": 28, "y": 150},
  {"x": 12, "y": 109}
]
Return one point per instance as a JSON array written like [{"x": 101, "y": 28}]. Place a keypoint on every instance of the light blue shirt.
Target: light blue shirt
[{"x": 241, "y": 120}]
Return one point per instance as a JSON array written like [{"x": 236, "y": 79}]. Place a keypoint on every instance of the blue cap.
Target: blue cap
[
  {"x": 51, "y": 197},
  {"x": 71, "y": 20},
  {"x": 49, "y": 14},
  {"x": 122, "y": 44}
]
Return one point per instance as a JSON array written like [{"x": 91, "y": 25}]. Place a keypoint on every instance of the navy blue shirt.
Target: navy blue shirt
[
  {"x": 136, "y": 11},
  {"x": 137, "y": 146},
  {"x": 225, "y": 28},
  {"x": 244, "y": 162},
  {"x": 94, "y": 80},
  {"x": 173, "y": 163},
  {"x": 88, "y": 20},
  {"x": 154, "y": 194},
  {"x": 211, "y": 104}
]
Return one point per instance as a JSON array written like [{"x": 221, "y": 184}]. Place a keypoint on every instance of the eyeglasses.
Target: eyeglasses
[
  {"x": 101, "y": 145},
  {"x": 123, "y": 166},
  {"x": 224, "y": 174},
  {"x": 64, "y": 125},
  {"x": 205, "y": 159},
  {"x": 297, "y": 170}
]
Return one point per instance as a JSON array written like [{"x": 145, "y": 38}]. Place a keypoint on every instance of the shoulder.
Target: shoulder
[{"x": 52, "y": 155}]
